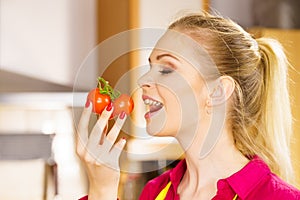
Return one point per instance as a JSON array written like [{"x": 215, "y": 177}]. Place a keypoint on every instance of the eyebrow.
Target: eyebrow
[{"x": 158, "y": 57}]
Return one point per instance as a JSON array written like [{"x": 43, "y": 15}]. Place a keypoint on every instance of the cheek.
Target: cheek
[
  {"x": 172, "y": 102},
  {"x": 199, "y": 90},
  {"x": 201, "y": 95},
  {"x": 180, "y": 95},
  {"x": 172, "y": 109},
  {"x": 181, "y": 111},
  {"x": 184, "y": 107}
]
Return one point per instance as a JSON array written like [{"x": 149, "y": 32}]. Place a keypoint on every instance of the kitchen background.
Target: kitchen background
[{"x": 43, "y": 44}]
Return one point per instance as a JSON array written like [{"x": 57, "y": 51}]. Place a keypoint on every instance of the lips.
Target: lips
[{"x": 154, "y": 106}]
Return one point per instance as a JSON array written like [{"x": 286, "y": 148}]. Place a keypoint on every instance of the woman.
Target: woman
[{"x": 246, "y": 98}]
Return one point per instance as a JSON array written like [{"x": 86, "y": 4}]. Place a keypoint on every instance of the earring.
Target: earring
[
  {"x": 208, "y": 107},
  {"x": 208, "y": 110}
]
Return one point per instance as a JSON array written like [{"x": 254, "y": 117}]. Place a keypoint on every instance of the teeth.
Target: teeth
[
  {"x": 151, "y": 102},
  {"x": 157, "y": 103}
]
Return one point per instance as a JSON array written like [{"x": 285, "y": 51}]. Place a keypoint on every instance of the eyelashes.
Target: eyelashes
[{"x": 165, "y": 71}]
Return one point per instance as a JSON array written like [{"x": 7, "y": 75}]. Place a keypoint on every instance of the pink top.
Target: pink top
[{"x": 253, "y": 182}]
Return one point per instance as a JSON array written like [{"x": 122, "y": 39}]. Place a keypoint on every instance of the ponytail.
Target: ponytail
[{"x": 276, "y": 119}]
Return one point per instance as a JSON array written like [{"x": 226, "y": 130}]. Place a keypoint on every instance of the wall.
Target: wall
[
  {"x": 239, "y": 11},
  {"x": 46, "y": 39}
]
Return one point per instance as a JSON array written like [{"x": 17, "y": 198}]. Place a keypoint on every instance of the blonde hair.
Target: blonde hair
[{"x": 260, "y": 116}]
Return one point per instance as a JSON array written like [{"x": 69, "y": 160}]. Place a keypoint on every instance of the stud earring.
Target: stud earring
[
  {"x": 208, "y": 110},
  {"x": 208, "y": 107}
]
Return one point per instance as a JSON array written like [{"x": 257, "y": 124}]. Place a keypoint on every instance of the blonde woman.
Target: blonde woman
[{"x": 224, "y": 99}]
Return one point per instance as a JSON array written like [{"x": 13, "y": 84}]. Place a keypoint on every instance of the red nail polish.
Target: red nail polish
[
  {"x": 109, "y": 107},
  {"x": 122, "y": 115},
  {"x": 87, "y": 103}
]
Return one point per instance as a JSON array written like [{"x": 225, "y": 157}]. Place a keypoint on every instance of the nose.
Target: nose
[{"x": 145, "y": 81}]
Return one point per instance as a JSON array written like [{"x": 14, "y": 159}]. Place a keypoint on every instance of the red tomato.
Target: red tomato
[
  {"x": 122, "y": 103},
  {"x": 99, "y": 101}
]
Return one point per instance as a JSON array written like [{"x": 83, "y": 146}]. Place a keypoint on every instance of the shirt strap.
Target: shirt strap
[
  {"x": 235, "y": 197},
  {"x": 162, "y": 195}
]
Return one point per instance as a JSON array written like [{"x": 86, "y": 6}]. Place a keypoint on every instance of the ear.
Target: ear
[{"x": 222, "y": 91}]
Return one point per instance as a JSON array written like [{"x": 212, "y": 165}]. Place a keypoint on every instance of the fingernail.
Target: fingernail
[
  {"x": 122, "y": 115},
  {"x": 87, "y": 103},
  {"x": 123, "y": 140},
  {"x": 109, "y": 107}
]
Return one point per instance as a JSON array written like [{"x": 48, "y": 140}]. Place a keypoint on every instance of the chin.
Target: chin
[
  {"x": 152, "y": 131},
  {"x": 160, "y": 124}
]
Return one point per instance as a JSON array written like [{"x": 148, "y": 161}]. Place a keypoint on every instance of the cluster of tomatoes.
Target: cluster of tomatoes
[{"x": 104, "y": 94}]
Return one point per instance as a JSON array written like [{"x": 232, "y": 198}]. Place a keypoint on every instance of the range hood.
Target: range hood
[{"x": 19, "y": 89}]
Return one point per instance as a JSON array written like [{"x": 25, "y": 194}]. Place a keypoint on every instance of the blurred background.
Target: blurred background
[{"x": 43, "y": 43}]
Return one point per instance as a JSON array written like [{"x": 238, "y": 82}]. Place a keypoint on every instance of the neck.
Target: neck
[{"x": 202, "y": 174}]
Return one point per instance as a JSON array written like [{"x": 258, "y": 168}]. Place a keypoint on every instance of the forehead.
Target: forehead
[
  {"x": 185, "y": 47},
  {"x": 181, "y": 45}
]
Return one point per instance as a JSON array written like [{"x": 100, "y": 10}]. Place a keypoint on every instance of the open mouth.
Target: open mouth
[{"x": 154, "y": 106}]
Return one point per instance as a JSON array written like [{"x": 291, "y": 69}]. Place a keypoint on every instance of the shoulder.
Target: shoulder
[
  {"x": 283, "y": 190},
  {"x": 276, "y": 189},
  {"x": 256, "y": 181},
  {"x": 154, "y": 186}
]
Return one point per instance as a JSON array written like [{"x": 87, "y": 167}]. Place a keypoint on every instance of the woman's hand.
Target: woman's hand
[{"x": 100, "y": 154}]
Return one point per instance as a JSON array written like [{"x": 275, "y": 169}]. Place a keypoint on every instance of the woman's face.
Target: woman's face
[
  {"x": 174, "y": 93},
  {"x": 181, "y": 81}
]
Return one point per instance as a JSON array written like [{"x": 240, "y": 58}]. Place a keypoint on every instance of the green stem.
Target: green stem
[{"x": 105, "y": 88}]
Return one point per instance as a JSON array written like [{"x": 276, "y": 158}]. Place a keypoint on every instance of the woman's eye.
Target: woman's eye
[{"x": 166, "y": 71}]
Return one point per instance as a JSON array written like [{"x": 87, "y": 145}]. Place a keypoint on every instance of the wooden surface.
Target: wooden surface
[{"x": 205, "y": 5}]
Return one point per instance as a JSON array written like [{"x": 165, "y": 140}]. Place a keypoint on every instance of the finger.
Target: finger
[
  {"x": 99, "y": 127},
  {"x": 115, "y": 130},
  {"x": 111, "y": 159},
  {"x": 118, "y": 148},
  {"x": 85, "y": 116},
  {"x": 82, "y": 131},
  {"x": 103, "y": 134},
  {"x": 104, "y": 154}
]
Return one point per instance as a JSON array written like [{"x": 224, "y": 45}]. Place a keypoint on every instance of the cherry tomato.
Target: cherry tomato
[
  {"x": 99, "y": 101},
  {"x": 122, "y": 103},
  {"x": 104, "y": 94}
]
